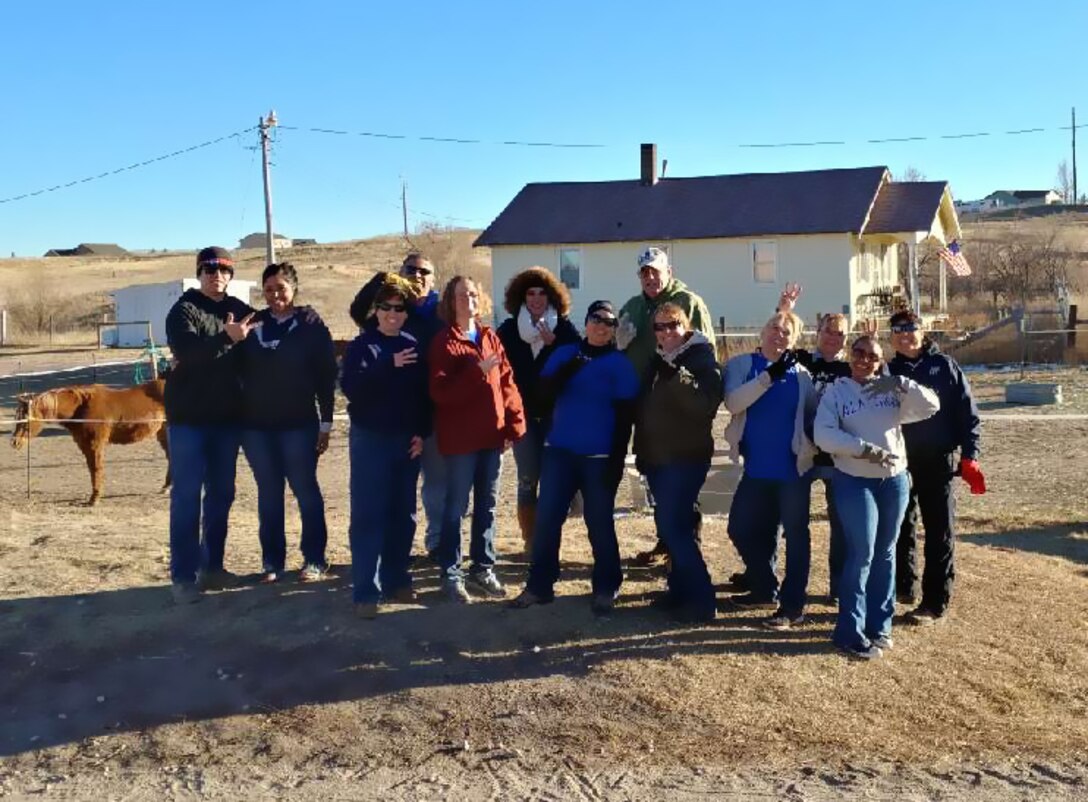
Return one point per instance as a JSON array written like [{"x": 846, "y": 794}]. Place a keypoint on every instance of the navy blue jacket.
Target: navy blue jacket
[
  {"x": 527, "y": 367},
  {"x": 382, "y": 397},
  {"x": 286, "y": 368},
  {"x": 956, "y": 424}
]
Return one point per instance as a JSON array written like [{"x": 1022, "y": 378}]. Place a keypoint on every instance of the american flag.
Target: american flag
[{"x": 954, "y": 258}]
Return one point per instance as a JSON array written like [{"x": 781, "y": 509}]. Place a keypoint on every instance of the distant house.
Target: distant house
[
  {"x": 90, "y": 249},
  {"x": 257, "y": 240},
  {"x": 1008, "y": 199},
  {"x": 734, "y": 239},
  {"x": 298, "y": 242}
]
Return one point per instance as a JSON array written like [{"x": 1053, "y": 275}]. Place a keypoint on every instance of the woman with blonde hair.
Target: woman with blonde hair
[
  {"x": 772, "y": 401},
  {"x": 478, "y": 412},
  {"x": 538, "y": 304}
]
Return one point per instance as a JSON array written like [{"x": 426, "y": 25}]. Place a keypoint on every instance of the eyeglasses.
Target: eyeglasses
[
  {"x": 211, "y": 270},
  {"x": 384, "y": 307},
  {"x": 861, "y": 354},
  {"x": 611, "y": 322},
  {"x": 416, "y": 271},
  {"x": 668, "y": 325},
  {"x": 904, "y": 328}
]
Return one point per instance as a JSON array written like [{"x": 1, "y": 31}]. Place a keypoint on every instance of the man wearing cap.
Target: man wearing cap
[
  {"x": 635, "y": 335},
  {"x": 203, "y": 410}
]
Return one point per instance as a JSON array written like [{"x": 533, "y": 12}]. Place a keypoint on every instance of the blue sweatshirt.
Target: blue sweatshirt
[
  {"x": 767, "y": 443},
  {"x": 584, "y": 418},
  {"x": 382, "y": 397}
]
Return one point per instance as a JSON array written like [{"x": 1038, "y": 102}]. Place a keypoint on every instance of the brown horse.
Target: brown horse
[{"x": 96, "y": 415}]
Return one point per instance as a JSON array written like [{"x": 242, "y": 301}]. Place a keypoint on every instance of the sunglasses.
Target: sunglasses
[
  {"x": 669, "y": 325},
  {"x": 384, "y": 307},
  {"x": 211, "y": 270},
  {"x": 862, "y": 354},
  {"x": 611, "y": 322},
  {"x": 416, "y": 271},
  {"x": 904, "y": 328}
]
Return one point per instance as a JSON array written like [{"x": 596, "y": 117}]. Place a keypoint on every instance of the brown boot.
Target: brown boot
[{"x": 527, "y": 521}]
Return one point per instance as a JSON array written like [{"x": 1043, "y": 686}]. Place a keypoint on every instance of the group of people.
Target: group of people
[{"x": 434, "y": 390}]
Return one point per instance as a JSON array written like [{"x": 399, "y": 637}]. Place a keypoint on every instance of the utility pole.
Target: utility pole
[
  {"x": 1075, "y": 196},
  {"x": 404, "y": 205},
  {"x": 263, "y": 125}
]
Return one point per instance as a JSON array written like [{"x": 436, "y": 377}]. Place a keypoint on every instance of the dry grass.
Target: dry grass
[
  {"x": 75, "y": 291},
  {"x": 429, "y": 691}
]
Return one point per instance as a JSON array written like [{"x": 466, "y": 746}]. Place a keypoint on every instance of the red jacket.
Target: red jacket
[{"x": 472, "y": 411}]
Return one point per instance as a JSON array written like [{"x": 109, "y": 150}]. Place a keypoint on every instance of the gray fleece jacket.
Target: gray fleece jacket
[{"x": 848, "y": 418}]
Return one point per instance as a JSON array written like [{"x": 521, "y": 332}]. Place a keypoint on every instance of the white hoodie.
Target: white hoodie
[{"x": 848, "y": 418}]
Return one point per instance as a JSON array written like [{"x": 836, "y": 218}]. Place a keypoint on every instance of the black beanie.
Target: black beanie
[
  {"x": 600, "y": 306},
  {"x": 214, "y": 256}
]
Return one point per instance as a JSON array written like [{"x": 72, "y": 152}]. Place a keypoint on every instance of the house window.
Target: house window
[
  {"x": 570, "y": 267},
  {"x": 765, "y": 262}
]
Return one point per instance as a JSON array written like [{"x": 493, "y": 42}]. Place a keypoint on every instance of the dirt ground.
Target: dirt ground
[{"x": 110, "y": 692}]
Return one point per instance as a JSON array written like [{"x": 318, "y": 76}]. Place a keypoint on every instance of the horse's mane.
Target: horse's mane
[{"x": 60, "y": 403}]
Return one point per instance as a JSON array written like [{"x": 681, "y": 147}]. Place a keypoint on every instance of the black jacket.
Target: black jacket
[
  {"x": 203, "y": 387},
  {"x": 288, "y": 374},
  {"x": 527, "y": 367},
  {"x": 824, "y": 374},
  {"x": 677, "y": 407},
  {"x": 956, "y": 424}
]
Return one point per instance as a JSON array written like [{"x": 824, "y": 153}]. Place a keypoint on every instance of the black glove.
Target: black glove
[
  {"x": 549, "y": 388},
  {"x": 777, "y": 369}
]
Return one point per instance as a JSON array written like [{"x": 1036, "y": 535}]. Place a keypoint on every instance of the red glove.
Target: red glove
[{"x": 971, "y": 474}]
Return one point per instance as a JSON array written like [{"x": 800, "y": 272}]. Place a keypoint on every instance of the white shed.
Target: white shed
[{"x": 134, "y": 306}]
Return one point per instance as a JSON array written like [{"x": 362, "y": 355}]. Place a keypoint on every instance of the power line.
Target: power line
[
  {"x": 446, "y": 139},
  {"x": 135, "y": 166}
]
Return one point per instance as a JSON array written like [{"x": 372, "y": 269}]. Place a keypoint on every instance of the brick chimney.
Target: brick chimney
[{"x": 649, "y": 165}]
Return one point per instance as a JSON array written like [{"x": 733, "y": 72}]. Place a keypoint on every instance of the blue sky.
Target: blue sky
[{"x": 90, "y": 87}]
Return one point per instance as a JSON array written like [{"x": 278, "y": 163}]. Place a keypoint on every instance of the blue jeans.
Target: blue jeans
[
  {"x": 383, "y": 512},
  {"x": 286, "y": 456},
  {"x": 476, "y": 473},
  {"x": 202, "y": 458},
  {"x": 528, "y": 452},
  {"x": 676, "y": 489},
  {"x": 562, "y": 474},
  {"x": 836, "y": 549},
  {"x": 872, "y": 511},
  {"x": 759, "y": 506},
  {"x": 433, "y": 493}
]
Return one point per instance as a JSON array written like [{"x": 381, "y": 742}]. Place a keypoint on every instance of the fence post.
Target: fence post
[
  {"x": 3, "y": 326},
  {"x": 50, "y": 329},
  {"x": 1071, "y": 337}
]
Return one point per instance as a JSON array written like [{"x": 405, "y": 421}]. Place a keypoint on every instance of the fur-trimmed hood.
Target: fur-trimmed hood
[{"x": 558, "y": 296}]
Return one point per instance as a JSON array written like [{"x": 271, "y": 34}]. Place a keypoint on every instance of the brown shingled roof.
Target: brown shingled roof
[{"x": 909, "y": 206}]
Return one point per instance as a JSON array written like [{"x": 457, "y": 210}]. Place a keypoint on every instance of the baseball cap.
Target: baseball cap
[
  {"x": 653, "y": 257},
  {"x": 602, "y": 308}
]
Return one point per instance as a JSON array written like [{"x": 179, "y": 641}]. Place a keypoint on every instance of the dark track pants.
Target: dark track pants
[{"x": 931, "y": 498}]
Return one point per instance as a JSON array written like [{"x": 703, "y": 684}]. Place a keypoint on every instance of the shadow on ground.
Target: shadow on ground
[
  {"x": 80, "y": 665},
  {"x": 1069, "y": 541}
]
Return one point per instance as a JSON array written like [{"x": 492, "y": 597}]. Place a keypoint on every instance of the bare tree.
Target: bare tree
[
  {"x": 1025, "y": 267},
  {"x": 910, "y": 174},
  {"x": 1064, "y": 182}
]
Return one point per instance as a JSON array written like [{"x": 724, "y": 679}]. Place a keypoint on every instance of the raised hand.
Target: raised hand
[
  {"x": 777, "y": 369},
  {"x": 546, "y": 334},
  {"x": 869, "y": 327},
  {"x": 488, "y": 363},
  {"x": 625, "y": 333},
  {"x": 240, "y": 330},
  {"x": 406, "y": 357},
  {"x": 788, "y": 299},
  {"x": 886, "y": 385},
  {"x": 416, "y": 447}
]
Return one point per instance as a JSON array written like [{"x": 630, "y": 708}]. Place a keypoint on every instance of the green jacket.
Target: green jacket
[{"x": 640, "y": 311}]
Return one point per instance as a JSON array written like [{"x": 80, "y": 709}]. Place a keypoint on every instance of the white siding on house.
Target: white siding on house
[
  {"x": 721, "y": 271},
  {"x": 152, "y": 302}
]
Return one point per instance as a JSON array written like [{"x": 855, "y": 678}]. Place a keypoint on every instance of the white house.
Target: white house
[
  {"x": 734, "y": 239},
  {"x": 258, "y": 239},
  {"x": 135, "y": 306}
]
